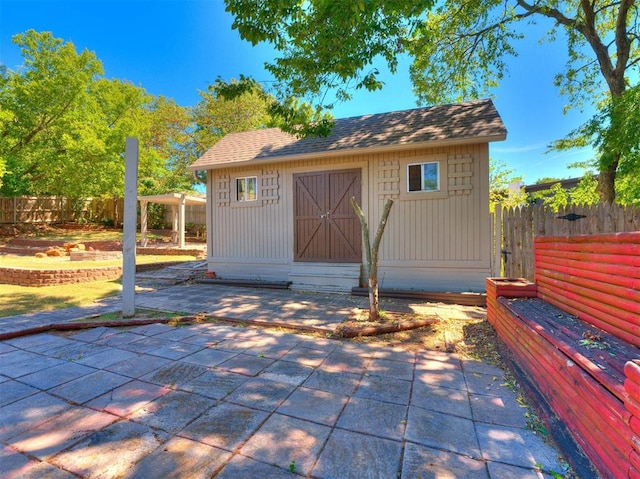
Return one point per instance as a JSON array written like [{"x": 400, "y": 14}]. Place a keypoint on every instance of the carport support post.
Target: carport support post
[
  {"x": 174, "y": 228},
  {"x": 143, "y": 223},
  {"x": 181, "y": 220},
  {"x": 129, "y": 228}
]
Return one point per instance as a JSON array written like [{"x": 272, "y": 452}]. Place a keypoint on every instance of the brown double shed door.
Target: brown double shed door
[{"x": 326, "y": 229}]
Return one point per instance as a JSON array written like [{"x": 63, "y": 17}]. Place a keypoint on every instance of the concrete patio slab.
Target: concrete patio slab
[
  {"x": 374, "y": 417},
  {"x": 439, "y": 430},
  {"x": 241, "y": 466},
  {"x": 12, "y": 391},
  {"x": 60, "y": 432},
  {"x": 180, "y": 458},
  {"x": 385, "y": 389},
  {"x": 288, "y": 443},
  {"x": 214, "y": 384},
  {"x": 441, "y": 399},
  {"x": 28, "y": 413},
  {"x": 350, "y": 455},
  {"x": 429, "y": 463},
  {"x": 128, "y": 398},
  {"x": 171, "y": 412},
  {"x": 215, "y": 400},
  {"x": 226, "y": 426},
  {"x": 314, "y": 405},
  {"x": 87, "y": 387},
  {"x": 110, "y": 452},
  {"x": 516, "y": 446}
]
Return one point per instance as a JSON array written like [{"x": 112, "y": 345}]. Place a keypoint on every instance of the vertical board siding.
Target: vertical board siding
[
  {"x": 447, "y": 235},
  {"x": 450, "y": 229}
]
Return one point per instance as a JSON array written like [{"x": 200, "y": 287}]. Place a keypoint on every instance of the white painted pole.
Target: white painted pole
[
  {"x": 129, "y": 228},
  {"x": 175, "y": 235},
  {"x": 143, "y": 223},
  {"x": 181, "y": 220}
]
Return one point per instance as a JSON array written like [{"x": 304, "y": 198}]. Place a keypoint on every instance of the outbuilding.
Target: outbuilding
[{"x": 278, "y": 207}]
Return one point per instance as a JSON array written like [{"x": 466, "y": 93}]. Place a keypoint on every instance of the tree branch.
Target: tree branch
[
  {"x": 553, "y": 13},
  {"x": 623, "y": 45}
]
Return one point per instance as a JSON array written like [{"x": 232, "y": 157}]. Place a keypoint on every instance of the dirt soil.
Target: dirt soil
[{"x": 473, "y": 338}]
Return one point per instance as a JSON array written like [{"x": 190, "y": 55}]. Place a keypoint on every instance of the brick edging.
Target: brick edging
[{"x": 50, "y": 277}]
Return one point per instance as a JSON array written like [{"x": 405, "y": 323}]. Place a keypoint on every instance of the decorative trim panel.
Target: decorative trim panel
[
  {"x": 460, "y": 174},
  {"x": 222, "y": 189},
  {"x": 270, "y": 187},
  {"x": 389, "y": 179}
]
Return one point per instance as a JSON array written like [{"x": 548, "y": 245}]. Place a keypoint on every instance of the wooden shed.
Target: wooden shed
[{"x": 278, "y": 207}]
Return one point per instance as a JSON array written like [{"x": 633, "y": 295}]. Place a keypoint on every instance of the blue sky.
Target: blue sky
[{"x": 177, "y": 47}]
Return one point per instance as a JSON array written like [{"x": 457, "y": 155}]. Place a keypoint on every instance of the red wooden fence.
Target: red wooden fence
[
  {"x": 632, "y": 404},
  {"x": 587, "y": 369},
  {"x": 595, "y": 277}
]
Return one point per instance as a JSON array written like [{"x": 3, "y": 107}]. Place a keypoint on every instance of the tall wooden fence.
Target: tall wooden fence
[
  {"x": 515, "y": 229},
  {"x": 55, "y": 209},
  {"x": 194, "y": 214}
]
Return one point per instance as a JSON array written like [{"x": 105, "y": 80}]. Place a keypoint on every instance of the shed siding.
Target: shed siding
[{"x": 441, "y": 243}]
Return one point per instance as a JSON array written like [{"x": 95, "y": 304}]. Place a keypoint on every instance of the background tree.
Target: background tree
[
  {"x": 228, "y": 107},
  {"x": 616, "y": 128},
  {"x": 557, "y": 196},
  {"x": 243, "y": 104},
  {"x": 38, "y": 104},
  {"x": 501, "y": 190},
  {"x": 458, "y": 50},
  {"x": 63, "y": 127}
]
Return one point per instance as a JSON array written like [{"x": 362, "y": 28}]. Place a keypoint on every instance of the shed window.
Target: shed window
[
  {"x": 246, "y": 188},
  {"x": 423, "y": 176}
]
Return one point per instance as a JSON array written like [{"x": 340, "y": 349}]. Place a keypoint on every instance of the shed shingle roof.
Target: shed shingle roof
[{"x": 469, "y": 121}]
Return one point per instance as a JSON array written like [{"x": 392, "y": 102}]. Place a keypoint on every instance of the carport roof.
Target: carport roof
[{"x": 173, "y": 199}]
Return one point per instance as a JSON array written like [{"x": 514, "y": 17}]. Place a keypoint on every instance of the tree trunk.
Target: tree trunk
[
  {"x": 374, "y": 306},
  {"x": 607, "y": 181},
  {"x": 371, "y": 253}
]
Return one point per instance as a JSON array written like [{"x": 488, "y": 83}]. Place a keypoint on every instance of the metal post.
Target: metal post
[{"x": 129, "y": 228}]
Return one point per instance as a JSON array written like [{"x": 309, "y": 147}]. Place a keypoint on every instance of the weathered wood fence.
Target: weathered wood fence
[
  {"x": 194, "y": 214},
  {"x": 55, "y": 209},
  {"x": 515, "y": 229}
]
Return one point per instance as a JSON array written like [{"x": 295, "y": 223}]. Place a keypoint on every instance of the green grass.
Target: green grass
[
  {"x": 23, "y": 299},
  {"x": 140, "y": 313},
  {"x": 79, "y": 236},
  {"x": 64, "y": 262}
]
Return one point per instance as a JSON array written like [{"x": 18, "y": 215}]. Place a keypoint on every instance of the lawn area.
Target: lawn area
[
  {"x": 64, "y": 262},
  {"x": 23, "y": 299},
  {"x": 80, "y": 235}
]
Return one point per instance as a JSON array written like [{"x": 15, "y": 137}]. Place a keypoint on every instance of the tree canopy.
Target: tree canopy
[
  {"x": 459, "y": 51},
  {"x": 63, "y": 125}
]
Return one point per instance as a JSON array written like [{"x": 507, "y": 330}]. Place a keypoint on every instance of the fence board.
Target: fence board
[
  {"x": 53, "y": 209},
  {"x": 520, "y": 225}
]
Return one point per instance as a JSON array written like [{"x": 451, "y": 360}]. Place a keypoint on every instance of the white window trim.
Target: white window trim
[
  {"x": 422, "y": 163},
  {"x": 443, "y": 181},
  {"x": 234, "y": 190}
]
